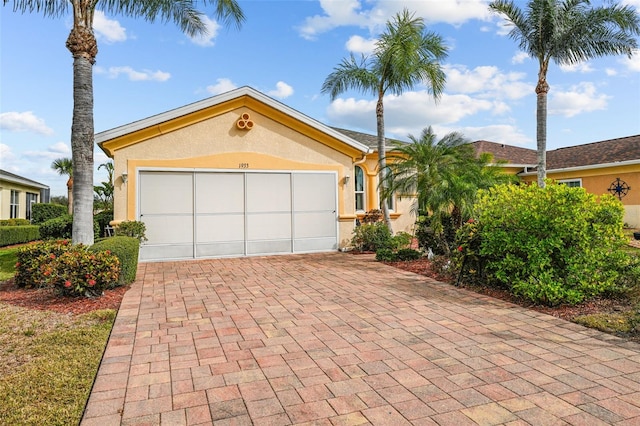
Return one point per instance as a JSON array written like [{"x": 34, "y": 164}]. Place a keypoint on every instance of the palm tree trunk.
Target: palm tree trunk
[
  {"x": 382, "y": 163},
  {"x": 541, "y": 127},
  {"x": 70, "y": 195},
  {"x": 83, "y": 47}
]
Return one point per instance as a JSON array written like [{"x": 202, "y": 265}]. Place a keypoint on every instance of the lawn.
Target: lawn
[{"x": 48, "y": 360}]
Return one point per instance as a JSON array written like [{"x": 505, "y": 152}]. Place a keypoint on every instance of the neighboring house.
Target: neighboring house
[
  {"x": 606, "y": 167},
  {"x": 242, "y": 174},
  {"x": 18, "y": 194}
]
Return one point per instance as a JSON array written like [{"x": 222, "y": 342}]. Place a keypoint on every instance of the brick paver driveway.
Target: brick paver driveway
[{"x": 336, "y": 339}]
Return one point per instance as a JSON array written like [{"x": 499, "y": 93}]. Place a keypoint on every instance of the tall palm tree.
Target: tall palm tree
[
  {"x": 83, "y": 47},
  {"x": 405, "y": 55},
  {"x": 64, "y": 167},
  {"x": 567, "y": 32}
]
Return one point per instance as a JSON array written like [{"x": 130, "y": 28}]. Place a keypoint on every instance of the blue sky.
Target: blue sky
[{"x": 286, "y": 49}]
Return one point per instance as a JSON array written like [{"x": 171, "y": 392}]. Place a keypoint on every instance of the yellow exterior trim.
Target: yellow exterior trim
[{"x": 113, "y": 145}]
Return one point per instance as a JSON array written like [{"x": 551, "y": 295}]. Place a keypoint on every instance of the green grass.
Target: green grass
[
  {"x": 8, "y": 259},
  {"x": 48, "y": 362}
]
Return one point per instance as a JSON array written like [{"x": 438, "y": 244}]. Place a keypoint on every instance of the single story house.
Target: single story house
[
  {"x": 18, "y": 194},
  {"x": 242, "y": 174},
  {"x": 605, "y": 167}
]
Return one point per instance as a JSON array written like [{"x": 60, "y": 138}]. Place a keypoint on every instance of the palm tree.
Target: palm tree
[
  {"x": 405, "y": 55},
  {"x": 64, "y": 167},
  {"x": 567, "y": 32},
  {"x": 104, "y": 191},
  {"x": 445, "y": 174},
  {"x": 83, "y": 47}
]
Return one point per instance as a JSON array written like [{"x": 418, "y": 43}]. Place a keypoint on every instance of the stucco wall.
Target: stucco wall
[{"x": 217, "y": 144}]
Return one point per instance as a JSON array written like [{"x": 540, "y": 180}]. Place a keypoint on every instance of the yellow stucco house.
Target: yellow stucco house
[
  {"x": 18, "y": 194},
  {"x": 605, "y": 167},
  {"x": 242, "y": 174}
]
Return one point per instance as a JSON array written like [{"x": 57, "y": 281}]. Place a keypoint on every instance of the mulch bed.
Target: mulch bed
[
  {"x": 48, "y": 300},
  {"x": 567, "y": 312}
]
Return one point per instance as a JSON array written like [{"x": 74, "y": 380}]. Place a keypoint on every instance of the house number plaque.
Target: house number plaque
[{"x": 243, "y": 165}]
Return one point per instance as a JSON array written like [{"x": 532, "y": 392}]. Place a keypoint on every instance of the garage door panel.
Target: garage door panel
[
  {"x": 314, "y": 224},
  {"x": 169, "y": 229},
  {"x": 219, "y": 193},
  {"x": 166, "y": 252},
  {"x": 269, "y": 226},
  {"x": 227, "y": 248},
  {"x": 315, "y": 244},
  {"x": 166, "y": 193},
  {"x": 268, "y": 192},
  {"x": 220, "y": 228},
  {"x": 269, "y": 247},
  {"x": 314, "y": 191}
]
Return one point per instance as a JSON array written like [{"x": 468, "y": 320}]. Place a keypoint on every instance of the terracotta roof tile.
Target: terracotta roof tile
[{"x": 602, "y": 152}]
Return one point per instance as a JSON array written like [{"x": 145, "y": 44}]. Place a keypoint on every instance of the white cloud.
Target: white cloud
[
  {"x": 283, "y": 90},
  {"x": 24, "y": 122},
  {"x": 581, "y": 67},
  {"x": 206, "y": 39},
  {"x": 6, "y": 154},
  {"x": 357, "y": 44},
  {"x": 633, "y": 63},
  {"x": 108, "y": 30},
  {"x": 487, "y": 82},
  {"x": 144, "y": 75},
  {"x": 635, "y": 3},
  {"x": 582, "y": 97},
  {"x": 222, "y": 85},
  {"x": 339, "y": 13},
  {"x": 500, "y": 133},
  {"x": 409, "y": 112},
  {"x": 519, "y": 57},
  {"x": 611, "y": 72},
  {"x": 53, "y": 152}
]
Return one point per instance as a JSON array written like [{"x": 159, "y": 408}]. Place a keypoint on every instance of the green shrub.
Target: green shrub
[
  {"x": 436, "y": 234},
  {"x": 70, "y": 269},
  {"x": 14, "y": 222},
  {"x": 550, "y": 245},
  {"x": 401, "y": 240},
  {"x": 57, "y": 228},
  {"x": 126, "y": 250},
  {"x": 371, "y": 237},
  {"x": 408, "y": 254},
  {"x": 132, "y": 228},
  {"x": 18, "y": 234},
  {"x": 34, "y": 267},
  {"x": 41, "y": 212},
  {"x": 103, "y": 218},
  {"x": 62, "y": 228},
  {"x": 386, "y": 255}
]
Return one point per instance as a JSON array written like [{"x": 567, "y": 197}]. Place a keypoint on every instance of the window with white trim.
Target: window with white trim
[
  {"x": 572, "y": 183},
  {"x": 359, "y": 188},
  {"x": 14, "y": 204}
]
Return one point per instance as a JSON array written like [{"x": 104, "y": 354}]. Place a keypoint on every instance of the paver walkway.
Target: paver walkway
[{"x": 337, "y": 339}]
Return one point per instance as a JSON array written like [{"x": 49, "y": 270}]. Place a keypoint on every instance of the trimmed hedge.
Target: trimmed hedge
[
  {"x": 126, "y": 250},
  {"x": 14, "y": 222},
  {"x": 62, "y": 227},
  {"x": 41, "y": 212},
  {"x": 18, "y": 234}
]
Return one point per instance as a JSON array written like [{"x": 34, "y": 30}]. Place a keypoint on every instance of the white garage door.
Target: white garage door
[{"x": 214, "y": 214}]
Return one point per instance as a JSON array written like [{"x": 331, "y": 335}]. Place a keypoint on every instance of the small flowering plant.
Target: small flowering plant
[
  {"x": 70, "y": 269},
  {"x": 84, "y": 273}
]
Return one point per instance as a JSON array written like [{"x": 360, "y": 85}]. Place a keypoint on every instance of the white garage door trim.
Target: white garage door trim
[{"x": 262, "y": 212}]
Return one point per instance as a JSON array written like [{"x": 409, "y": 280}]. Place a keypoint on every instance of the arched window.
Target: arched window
[{"x": 359, "y": 183}]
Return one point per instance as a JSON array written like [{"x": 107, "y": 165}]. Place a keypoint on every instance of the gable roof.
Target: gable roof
[
  {"x": 10, "y": 177},
  {"x": 514, "y": 155},
  {"x": 369, "y": 140},
  {"x": 177, "y": 118},
  {"x": 607, "y": 152}
]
